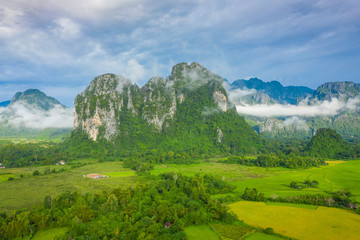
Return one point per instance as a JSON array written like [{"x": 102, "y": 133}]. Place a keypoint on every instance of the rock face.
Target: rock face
[
  {"x": 97, "y": 108},
  {"x": 187, "y": 111},
  {"x": 100, "y": 110}
]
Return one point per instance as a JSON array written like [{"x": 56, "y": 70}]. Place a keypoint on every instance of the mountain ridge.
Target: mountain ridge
[{"x": 187, "y": 110}]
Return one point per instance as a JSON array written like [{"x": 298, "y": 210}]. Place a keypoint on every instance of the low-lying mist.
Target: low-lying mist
[{"x": 23, "y": 115}]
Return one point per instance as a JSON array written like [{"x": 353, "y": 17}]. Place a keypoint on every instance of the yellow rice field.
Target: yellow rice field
[{"x": 300, "y": 223}]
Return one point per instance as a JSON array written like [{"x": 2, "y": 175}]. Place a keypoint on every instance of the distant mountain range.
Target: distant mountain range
[
  {"x": 274, "y": 89},
  {"x": 276, "y": 111},
  {"x": 32, "y": 114}
]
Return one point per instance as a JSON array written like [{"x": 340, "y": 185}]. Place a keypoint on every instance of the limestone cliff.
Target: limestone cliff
[{"x": 101, "y": 108}]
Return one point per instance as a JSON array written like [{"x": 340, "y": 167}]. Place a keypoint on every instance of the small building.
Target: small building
[
  {"x": 62, "y": 162},
  {"x": 96, "y": 176}
]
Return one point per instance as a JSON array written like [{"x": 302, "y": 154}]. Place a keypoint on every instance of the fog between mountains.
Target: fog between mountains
[
  {"x": 324, "y": 108},
  {"x": 22, "y": 115}
]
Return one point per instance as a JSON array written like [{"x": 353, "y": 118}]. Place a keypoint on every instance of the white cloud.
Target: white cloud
[
  {"x": 75, "y": 40},
  {"x": 66, "y": 28},
  {"x": 10, "y": 21},
  {"x": 325, "y": 108},
  {"x": 295, "y": 122},
  {"x": 236, "y": 95},
  {"x": 21, "y": 115}
]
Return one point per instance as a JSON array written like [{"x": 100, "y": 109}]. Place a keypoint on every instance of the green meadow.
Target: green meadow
[
  {"x": 27, "y": 190},
  {"x": 333, "y": 177},
  {"x": 49, "y": 234},
  {"x": 337, "y": 175},
  {"x": 202, "y": 232}
]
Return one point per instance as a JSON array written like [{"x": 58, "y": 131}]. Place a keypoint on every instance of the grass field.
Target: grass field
[
  {"x": 5, "y": 177},
  {"x": 335, "y": 176},
  {"x": 202, "y": 232},
  {"x": 227, "y": 172},
  {"x": 338, "y": 175},
  {"x": 27, "y": 191},
  {"x": 49, "y": 234},
  {"x": 300, "y": 223},
  {"x": 232, "y": 231}
]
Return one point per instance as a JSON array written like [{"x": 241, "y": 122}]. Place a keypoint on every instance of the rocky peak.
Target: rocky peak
[
  {"x": 192, "y": 75},
  {"x": 97, "y": 106},
  {"x": 35, "y": 98},
  {"x": 107, "y": 83},
  {"x": 111, "y": 99},
  {"x": 340, "y": 90}
]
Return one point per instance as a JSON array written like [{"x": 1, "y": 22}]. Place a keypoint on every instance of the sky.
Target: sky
[{"x": 59, "y": 47}]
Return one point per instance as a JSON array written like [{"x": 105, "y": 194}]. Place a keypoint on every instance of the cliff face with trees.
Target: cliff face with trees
[{"x": 187, "y": 111}]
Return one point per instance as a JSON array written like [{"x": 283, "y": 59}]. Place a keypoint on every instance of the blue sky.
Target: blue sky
[{"x": 60, "y": 46}]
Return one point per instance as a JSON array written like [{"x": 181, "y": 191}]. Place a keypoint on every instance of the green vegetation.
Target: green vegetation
[
  {"x": 50, "y": 233},
  {"x": 327, "y": 143},
  {"x": 235, "y": 231},
  {"x": 20, "y": 155},
  {"x": 305, "y": 184},
  {"x": 202, "y": 232},
  {"x": 280, "y": 160},
  {"x": 30, "y": 190},
  {"x": 157, "y": 210}
]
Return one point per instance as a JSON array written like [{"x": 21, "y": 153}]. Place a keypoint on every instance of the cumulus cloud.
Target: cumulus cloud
[
  {"x": 22, "y": 115},
  {"x": 325, "y": 108}
]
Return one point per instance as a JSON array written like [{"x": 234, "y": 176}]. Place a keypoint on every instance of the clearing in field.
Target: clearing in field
[
  {"x": 202, "y": 232},
  {"x": 301, "y": 223},
  {"x": 30, "y": 190},
  {"x": 48, "y": 234}
]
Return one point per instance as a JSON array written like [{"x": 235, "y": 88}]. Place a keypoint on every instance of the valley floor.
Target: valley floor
[{"x": 27, "y": 190}]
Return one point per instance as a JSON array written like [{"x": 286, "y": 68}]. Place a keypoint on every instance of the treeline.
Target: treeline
[
  {"x": 158, "y": 210},
  {"x": 340, "y": 199},
  {"x": 28, "y": 154},
  {"x": 277, "y": 160}
]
